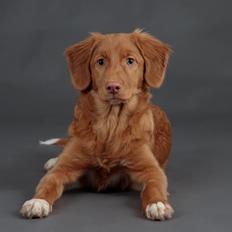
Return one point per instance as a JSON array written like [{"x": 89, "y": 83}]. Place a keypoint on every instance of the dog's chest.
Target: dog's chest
[
  {"x": 111, "y": 125},
  {"x": 115, "y": 135},
  {"x": 109, "y": 132}
]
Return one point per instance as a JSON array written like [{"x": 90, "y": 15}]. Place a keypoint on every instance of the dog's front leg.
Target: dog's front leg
[
  {"x": 67, "y": 170},
  {"x": 144, "y": 168}
]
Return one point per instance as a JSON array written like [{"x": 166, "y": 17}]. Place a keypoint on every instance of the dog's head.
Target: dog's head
[{"x": 118, "y": 66}]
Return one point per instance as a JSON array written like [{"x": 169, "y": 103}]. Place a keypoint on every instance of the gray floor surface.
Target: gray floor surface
[{"x": 199, "y": 182}]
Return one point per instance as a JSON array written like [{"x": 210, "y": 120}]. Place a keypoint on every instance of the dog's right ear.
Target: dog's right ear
[{"x": 78, "y": 58}]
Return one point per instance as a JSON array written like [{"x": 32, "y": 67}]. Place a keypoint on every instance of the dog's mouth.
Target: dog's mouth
[
  {"x": 116, "y": 101},
  {"x": 113, "y": 99}
]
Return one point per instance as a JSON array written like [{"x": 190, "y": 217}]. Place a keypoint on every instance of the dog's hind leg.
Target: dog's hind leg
[
  {"x": 54, "y": 141},
  {"x": 50, "y": 163}
]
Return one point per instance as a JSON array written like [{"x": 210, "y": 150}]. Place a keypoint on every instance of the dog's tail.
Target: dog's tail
[{"x": 55, "y": 141}]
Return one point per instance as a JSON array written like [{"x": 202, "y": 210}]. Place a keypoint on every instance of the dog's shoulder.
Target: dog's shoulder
[{"x": 159, "y": 114}]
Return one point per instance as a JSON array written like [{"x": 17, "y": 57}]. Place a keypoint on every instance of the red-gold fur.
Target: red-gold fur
[{"x": 126, "y": 137}]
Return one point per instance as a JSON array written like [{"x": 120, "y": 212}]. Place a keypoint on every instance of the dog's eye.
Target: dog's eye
[
  {"x": 130, "y": 60},
  {"x": 101, "y": 61}
]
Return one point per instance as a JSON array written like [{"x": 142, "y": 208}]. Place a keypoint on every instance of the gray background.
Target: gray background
[{"x": 37, "y": 102}]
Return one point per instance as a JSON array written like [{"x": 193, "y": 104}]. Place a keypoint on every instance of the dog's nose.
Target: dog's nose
[{"x": 113, "y": 87}]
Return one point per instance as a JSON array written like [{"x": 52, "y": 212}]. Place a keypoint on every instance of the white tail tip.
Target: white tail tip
[{"x": 49, "y": 141}]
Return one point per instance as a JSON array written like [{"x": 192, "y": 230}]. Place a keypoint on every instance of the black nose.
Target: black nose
[{"x": 113, "y": 87}]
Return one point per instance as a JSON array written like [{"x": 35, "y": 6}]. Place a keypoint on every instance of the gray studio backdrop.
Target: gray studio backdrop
[{"x": 37, "y": 101}]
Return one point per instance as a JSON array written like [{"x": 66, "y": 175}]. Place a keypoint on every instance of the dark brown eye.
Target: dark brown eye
[
  {"x": 101, "y": 61},
  {"x": 130, "y": 61}
]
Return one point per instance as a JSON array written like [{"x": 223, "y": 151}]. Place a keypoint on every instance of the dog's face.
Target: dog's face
[{"x": 117, "y": 66}]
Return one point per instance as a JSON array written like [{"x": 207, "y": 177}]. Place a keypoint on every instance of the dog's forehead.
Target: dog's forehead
[{"x": 116, "y": 42}]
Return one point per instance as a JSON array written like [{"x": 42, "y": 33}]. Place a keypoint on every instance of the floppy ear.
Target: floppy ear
[
  {"x": 155, "y": 54},
  {"x": 78, "y": 58}
]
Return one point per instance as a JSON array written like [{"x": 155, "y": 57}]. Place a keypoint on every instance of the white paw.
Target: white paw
[
  {"x": 159, "y": 211},
  {"x": 36, "y": 208},
  {"x": 50, "y": 163}
]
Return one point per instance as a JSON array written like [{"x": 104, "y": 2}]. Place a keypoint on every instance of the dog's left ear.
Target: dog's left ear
[
  {"x": 78, "y": 58},
  {"x": 155, "y": 54}
]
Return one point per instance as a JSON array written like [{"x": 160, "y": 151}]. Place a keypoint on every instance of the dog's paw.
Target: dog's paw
[
  {"x": 50, "y": 163},
  {"x": 36, "y": 208},
  {"x": 159, "y": 211}
]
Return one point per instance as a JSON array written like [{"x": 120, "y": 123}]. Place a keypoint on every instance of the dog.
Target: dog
[{"x": 117, "y": 138}]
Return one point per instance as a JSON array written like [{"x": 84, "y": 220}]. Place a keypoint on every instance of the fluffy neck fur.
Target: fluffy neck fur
[{"x": 104, "y": 122}]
